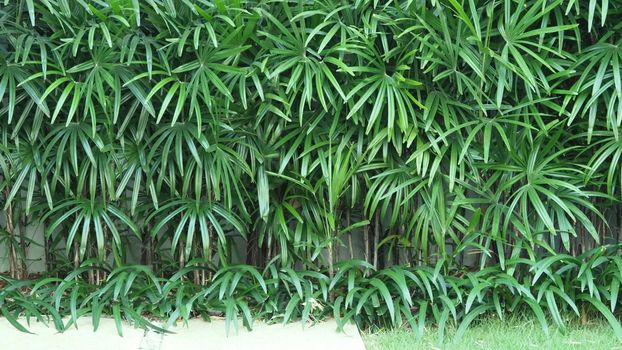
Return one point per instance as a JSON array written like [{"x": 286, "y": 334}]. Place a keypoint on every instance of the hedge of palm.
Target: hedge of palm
[{"x": 470, "y": 149}]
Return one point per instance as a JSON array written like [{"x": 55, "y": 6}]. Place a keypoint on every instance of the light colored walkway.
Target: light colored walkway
[{"x": 198, "y": 335}]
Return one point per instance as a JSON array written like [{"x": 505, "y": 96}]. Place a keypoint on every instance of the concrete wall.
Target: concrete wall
[{"x": 35, "y": 257}]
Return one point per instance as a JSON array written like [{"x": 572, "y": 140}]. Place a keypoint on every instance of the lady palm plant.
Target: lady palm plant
[{"x": 441, "y": 135}]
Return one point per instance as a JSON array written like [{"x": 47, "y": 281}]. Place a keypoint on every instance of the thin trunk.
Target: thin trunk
[
  {"x": 103, "y": 275},
  {"x": 196, "y": 273},
  {"x": 153, "y": 251},
  {"x": 376, "y": 237},
  {"x": 583, "y": 315},
  {"x": 49, "y": 264},
  {"x": 349, "y": 236},
  {"x": 269, "y": 252},
  {"x": 203, "y": 276},
  {"x": 182, "y": 259},
  {"x": 98, "y": 277},
  {"x": 366, "y": 240},
  {"x": 398, "y": 248},
  {"x": 196, "y": 276},
  {"x": 12, "y": 259},
  {"x": 210, "y": 233},
  {"x": 331, "y": 268},
  {"x": 91, "y": 273},
  {"x": 23, "y": 247},
  {"x": 148, "y": 250},
  {"x": 337, "y": 246},
  {"x": 10, "y": 229},
  {"x": 76, "y": 254},
  {"x": 418, "y": 251},
  {"x": 200, "y": 276},
  {"x": 252, "y": 249}
]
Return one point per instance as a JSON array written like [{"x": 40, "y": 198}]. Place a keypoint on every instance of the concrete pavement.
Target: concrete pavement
[{"x": 197, "y": 335}]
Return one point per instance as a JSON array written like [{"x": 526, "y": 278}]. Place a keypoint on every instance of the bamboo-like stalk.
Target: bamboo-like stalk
[
  {"x": 76, "y": 254},
  {"x": 182, "y": 257},
  {"x": 210, "y": 231},
  {"x": 350, "y": 247},
  {"x": 366, "y": 241},
  {"x": 331, "y": 259},
  {"x": 376, "y": 237},
  {"x": 23, "y": 268},
  {"x": 10, "y": 229}
]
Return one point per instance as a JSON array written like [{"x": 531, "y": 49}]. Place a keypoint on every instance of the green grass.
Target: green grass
[{"x": 500, "y": 335}]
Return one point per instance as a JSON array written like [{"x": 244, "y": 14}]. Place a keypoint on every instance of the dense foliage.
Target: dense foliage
[
  {"x": 387, "y": 162},
  {"x": 395, "y": 296}
]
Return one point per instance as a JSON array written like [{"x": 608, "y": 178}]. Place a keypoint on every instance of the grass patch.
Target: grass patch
[{"x": 493, "y": 333}]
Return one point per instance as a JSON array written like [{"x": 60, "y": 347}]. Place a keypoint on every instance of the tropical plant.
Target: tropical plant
[{"x": 390, "y": 163}]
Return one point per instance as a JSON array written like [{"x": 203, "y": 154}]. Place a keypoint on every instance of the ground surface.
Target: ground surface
[
  {"x": 198, "y": 335},
  {"x": 498, "y": 335},
  {"x": 489, "y": 334}
]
